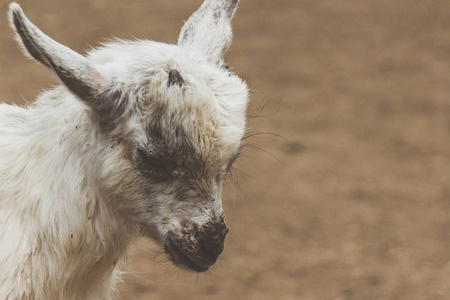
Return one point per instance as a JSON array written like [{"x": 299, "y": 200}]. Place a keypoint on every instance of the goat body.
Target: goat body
[{"x": 137, "y": 139}]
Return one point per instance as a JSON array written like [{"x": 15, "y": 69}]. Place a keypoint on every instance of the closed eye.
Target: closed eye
[
  {"x": 232, "y": 160},
  {"x": 222, "y": 176},
  {"x": 151, "y": 166}
]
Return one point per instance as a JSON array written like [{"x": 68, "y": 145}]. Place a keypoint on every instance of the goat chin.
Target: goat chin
[{"x": 137, "y": 138}]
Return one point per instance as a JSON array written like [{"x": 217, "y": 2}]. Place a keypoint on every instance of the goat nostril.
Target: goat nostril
[
  {"x": 213, "y": 248},
  {"x": 213, "y": 244}
]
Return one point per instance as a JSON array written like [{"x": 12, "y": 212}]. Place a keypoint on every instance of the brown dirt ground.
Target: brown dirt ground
[{"x": 356, "y": 202}]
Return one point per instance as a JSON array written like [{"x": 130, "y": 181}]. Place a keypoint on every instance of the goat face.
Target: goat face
[{"x": 174, "y": 119}]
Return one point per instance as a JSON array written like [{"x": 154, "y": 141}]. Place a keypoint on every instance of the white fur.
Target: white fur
[{"x": 68, "y": 207}]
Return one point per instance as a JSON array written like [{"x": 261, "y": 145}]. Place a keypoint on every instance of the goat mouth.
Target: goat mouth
[{"x": 179, "y": 258}]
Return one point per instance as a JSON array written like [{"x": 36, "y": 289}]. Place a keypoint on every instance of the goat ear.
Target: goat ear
[
  {"x": 73, "y": 69},
  {"x": 209, "y": 28}
]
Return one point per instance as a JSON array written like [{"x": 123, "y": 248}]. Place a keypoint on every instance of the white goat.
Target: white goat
[{"x": 136, "y": 140}]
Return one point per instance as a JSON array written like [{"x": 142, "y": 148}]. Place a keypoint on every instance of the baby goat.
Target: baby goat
[{"x": 137, "y": 139}]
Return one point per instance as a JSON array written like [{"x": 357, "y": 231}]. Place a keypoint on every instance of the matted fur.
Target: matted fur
[{"x": 136, "y": 139}]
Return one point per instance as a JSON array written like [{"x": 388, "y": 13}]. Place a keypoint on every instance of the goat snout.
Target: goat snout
[{"x": 195, "y": 247}]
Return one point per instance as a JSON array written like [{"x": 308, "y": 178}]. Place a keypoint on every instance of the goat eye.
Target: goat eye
[
  {"x": 152, "y": 166},
  {"x": 230, "y": 163},
  {"x": 219, "y": 177}
]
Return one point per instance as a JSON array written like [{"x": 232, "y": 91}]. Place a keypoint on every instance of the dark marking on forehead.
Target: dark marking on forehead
[
  {"x": 175, "y": 78},
  {"x": 169, "y": 150},
  {"x": 112, "y": 103},
  {"x": 111, "y": 107}
]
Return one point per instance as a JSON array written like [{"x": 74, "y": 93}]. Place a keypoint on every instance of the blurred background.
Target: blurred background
[{"x": 345, "y": 193}]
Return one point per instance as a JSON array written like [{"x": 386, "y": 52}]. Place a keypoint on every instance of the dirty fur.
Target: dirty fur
[{"x": 137, "y": 138}]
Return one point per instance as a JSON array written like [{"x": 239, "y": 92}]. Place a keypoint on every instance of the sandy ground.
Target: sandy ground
[{"x": 353, "y": 200}]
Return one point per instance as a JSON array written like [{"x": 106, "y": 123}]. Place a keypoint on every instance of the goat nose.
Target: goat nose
[{"x": 213, "y": 241}]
